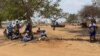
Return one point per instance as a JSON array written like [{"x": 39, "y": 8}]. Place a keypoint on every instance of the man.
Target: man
[
  {"x": 92, "y": 31},
  {"x": 17, "y": 24},
  {"x": 17, "y": 27},
  {"x": 10, "y": 31}
]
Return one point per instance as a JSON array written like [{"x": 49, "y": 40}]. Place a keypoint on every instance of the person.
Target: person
[
  {"x": 10, "y": 31},
  {"x": 92, "y": 32},
  {"x": 43, "y": 34},
  {"x": 17, "y": 24},
  {"x": 28, "y": 28},
  {"x": 13, "y": 24},
  {"x": 54, "y": 24},
  {"x": 5, "y": 32},
  {"x": 16, "y": 33},
  {"x": 17, "y": 27},
  {"x": 38, "y": 31},
  {"x": 26, "y": 37}
]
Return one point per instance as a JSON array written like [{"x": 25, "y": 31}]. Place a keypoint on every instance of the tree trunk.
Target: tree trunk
[
  {"x": 28, "y": 13},
  {"x": 29, "y": 20},
  {"x": 54, "y": 24},
  {"x": 54, "y": 27},
  {"x": 84, "y": 25},
  {"x": 93, "y": 20}
]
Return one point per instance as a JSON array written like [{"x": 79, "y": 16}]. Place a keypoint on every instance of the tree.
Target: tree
[
  {"x": 1, "y": 19},
  {"x": 52, "y": 11},
  {"x": 72, "y": 18},
  {"x": 2, "y": 3},
  {"x": 90, "y": 11},
  {"x": 16, "y": 9}
]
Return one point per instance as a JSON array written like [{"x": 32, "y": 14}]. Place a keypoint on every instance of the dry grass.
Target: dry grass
[{"x": 68, "y": 41}]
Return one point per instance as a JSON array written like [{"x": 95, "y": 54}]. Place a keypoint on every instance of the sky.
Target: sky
[{"x": 73, "y": 6}]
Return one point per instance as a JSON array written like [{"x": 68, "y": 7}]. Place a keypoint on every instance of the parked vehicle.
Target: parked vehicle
[{"x": 58, "y": 24}]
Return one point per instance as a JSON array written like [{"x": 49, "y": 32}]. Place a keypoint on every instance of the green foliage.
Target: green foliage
[
  {"x": 71, "y": 18},
  {"x": 13, "y": 9},
  {"x": 52, "y": 10},
  {"x": 19, "y": 9}
]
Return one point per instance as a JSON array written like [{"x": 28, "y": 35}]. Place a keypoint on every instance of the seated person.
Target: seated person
[
  {"x": 38, "y": 31},
  {"x": 5, "y": 32},
  {"x": 43, "y": 34},
  {"x": 27, "y": 37}
]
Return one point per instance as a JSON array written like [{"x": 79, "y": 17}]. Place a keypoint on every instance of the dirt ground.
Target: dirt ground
[{"x": 68, "y": 41}]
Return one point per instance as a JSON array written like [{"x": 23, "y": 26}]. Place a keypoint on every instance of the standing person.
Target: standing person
[
  {"x": 10, "y": 31},
  {"x": 92, "y": 32},
  {"x": 54, "y": 24},
  {"x": 17, "y": 24},
  {"x": 17, "y": 27},
  {"x": 29, "y": 29},
  {"x": 17, "y": 33}
]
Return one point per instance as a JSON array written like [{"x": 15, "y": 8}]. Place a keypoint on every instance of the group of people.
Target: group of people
[{"x": 13, "y": 32}]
